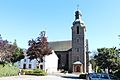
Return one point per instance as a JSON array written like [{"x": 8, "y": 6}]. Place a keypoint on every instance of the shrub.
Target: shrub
[
  {"x": 82, "y": 76},
  {"x": 37, "y": 72},
  {"x": 27, "y": 71}
]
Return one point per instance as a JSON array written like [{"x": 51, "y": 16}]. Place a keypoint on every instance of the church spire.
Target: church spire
[
  {"x": 78, "y": 14},
  {"x": 78, "y": 17}
]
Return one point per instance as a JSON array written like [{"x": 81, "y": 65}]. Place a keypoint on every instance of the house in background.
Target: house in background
[
  {"x": 26, "y": 63},
  {"x": 49, "y": 63}
]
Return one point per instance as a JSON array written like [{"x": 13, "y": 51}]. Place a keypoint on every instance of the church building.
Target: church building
[{"x": 73, "y": 54}]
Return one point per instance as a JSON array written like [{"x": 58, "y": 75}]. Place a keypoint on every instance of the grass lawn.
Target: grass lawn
[{"x": 8, "y": 70}]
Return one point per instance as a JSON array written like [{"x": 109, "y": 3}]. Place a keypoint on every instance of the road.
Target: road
[{"x": 48, "y": 77}]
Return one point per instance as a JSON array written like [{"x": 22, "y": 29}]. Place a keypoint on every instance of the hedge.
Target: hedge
[
  {"x": 37, "y": 72},
  {"x": 82, "y": 76}
]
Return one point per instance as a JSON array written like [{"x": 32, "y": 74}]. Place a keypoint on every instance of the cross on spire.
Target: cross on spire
[{"x": 77, "y": 7}]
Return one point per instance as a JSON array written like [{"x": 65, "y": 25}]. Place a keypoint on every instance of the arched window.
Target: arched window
[
  {"x": 24, "y": 66},
  {"x": 24, "y": 60},
  {"x": 29, "y": 66},
  {"x": 41, "y": 67}
]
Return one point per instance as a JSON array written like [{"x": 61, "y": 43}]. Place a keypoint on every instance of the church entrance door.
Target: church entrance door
[{"x": 77, "y": 68}]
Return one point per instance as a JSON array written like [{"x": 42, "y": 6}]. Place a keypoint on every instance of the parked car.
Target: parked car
[
  {"x": 100, "y": 76},
  {"x": 113, "y": 77},
  {"x": 93, "y": 76}
]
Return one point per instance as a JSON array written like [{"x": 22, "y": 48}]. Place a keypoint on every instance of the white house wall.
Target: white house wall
[
  {"x": 51, "y": 63},
  {"x": 27, "y": 62},
  {"x": 34, "y": 64}
]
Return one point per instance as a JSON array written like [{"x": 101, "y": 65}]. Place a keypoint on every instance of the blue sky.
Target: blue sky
[{"x": 24, "y": 19}]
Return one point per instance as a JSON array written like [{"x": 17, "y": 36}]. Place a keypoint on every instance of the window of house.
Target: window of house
[
  {"x": 77, "y": 29},
  {"x": 41, "y": 66},
  {"x": 24, "y": 60},
  {"x": 37, "y": 66},
  {"x": 24, "y": 66},
  {"x": 30, "y": 66}
]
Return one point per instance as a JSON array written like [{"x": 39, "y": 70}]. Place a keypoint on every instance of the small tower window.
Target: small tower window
[
  {"x": 77, "y": 40},
  {"x": 77, "y": 58},
  {"x": 77, "y": 29},
  {"x": 77, "y": 49}
]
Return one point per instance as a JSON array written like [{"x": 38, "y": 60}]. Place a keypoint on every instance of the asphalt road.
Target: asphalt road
[
  {"x": 53, "y": 76},
  {"x": 48, "y": 77}
]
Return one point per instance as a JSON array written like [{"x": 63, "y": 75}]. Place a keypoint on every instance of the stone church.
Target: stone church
[{"x": 73, "y": 54}]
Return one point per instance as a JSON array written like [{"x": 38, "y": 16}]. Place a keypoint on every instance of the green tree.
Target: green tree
[
  {"x": 17, "y": 54},
  {"x": 107, "y": 58},
  {"x": 39, "y": 47}
]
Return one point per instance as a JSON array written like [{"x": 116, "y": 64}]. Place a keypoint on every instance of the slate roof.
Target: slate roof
[{"x": 60, "y": 45}]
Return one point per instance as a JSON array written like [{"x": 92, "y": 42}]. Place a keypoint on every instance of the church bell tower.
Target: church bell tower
[{"x": 78, "y": 54}]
